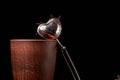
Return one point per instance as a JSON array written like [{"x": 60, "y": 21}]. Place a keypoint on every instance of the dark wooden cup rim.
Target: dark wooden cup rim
[{"x": 33, "y": 40}]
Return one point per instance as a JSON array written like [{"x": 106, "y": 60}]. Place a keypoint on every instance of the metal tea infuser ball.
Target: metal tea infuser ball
[{"x": 52, "y": 30}]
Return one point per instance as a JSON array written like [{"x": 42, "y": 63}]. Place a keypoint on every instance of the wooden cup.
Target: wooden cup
[{"x": 33, "y": 59}]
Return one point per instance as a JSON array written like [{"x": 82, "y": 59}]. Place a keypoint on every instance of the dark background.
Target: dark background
[{"x": 89, "y": 32}]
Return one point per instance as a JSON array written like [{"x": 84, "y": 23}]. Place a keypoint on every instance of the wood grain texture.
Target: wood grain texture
[{"x": 33, "y": 59}]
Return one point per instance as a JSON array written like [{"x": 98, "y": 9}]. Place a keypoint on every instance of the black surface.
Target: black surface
[{"x": 89, "y": 33}]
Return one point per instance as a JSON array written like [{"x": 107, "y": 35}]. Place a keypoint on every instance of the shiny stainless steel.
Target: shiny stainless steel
[{"x": 52, "y": 27}]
